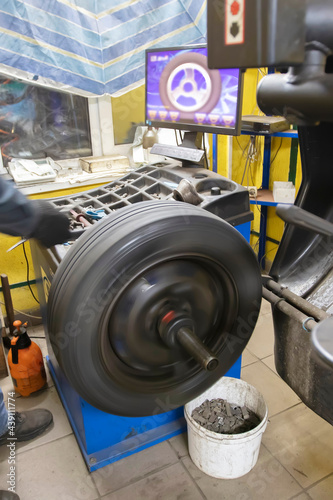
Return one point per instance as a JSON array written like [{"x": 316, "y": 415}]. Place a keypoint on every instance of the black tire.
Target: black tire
[
  {"x": 214, "y": 77},
  {"x": 97, "y": 273}
]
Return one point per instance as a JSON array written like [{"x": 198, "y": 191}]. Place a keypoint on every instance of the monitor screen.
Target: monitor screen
[{"x": 182, "y": 93}]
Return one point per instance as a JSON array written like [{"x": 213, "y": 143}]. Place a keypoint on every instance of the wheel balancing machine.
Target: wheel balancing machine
[{"x": 149, "y": 306}]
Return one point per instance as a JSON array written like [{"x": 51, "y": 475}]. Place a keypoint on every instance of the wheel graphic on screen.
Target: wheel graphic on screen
[
  {"x": 188, "y": 86},
  {"x": 229, "y": 95}
]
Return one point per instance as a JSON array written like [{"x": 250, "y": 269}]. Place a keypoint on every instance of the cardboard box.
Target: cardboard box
[
  {"x": 93, "y": 164},
  {"x": 284, "y": 192}
]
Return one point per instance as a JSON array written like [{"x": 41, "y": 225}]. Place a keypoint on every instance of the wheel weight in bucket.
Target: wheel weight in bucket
[{"x": 227, "y": 456}]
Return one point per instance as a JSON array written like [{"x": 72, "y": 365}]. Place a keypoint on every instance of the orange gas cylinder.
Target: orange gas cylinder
[{"x": 25, "y": 362}]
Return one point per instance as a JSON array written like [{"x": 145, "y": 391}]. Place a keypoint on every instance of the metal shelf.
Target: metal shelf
[
  {"x": 292, "y": 134},
  {"x": 265, "y": 198}
]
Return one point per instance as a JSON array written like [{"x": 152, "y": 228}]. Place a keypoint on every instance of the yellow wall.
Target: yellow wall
[
  {"x": 14, "y": 265},
  {"x": 128, "y": 109},
  {"x": 279, "y": 167}
]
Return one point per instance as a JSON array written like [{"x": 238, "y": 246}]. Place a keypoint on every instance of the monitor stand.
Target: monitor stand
[{"x": 188, "y": 152}]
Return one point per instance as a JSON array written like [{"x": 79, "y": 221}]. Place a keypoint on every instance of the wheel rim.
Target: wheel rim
[
  {"x": 229, "y": 95},
  {"x": 129, "y": 337}
]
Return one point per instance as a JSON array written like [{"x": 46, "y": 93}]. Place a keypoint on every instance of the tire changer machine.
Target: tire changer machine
[
  {"x": 295, "y": 37},
  {"x": 148, "y": 307}
]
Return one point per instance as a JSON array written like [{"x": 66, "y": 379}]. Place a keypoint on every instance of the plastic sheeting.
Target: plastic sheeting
[{"x": 89, "y": 46}]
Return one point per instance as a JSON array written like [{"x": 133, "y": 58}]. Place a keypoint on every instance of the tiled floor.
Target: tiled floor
[{"x": 295, "y": 462}]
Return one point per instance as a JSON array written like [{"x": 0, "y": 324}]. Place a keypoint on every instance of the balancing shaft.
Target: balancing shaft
[{"x": 193, "y": 345}]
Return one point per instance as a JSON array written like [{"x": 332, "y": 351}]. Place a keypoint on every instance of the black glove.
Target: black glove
[{"x": 52, "y": 227}]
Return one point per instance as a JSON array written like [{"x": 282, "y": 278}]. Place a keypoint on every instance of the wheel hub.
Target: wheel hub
[{"x": 184, "y": 288}]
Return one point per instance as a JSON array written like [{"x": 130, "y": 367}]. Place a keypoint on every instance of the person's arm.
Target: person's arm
[
  {"x": 31, "y": 219},
  {"x": 18, "y": 216}
]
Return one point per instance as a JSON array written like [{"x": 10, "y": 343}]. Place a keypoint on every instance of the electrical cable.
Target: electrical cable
[
  {"x": 253, "y": 183},
  {"x": 245, "y": 169},
  {"x": 257, "y": 242},
  {"x": 28, "y": 269},
  {"x": 240, "y": 147},
  {"x": 21, "y": 312},
  {"x": 259, "y": 157},
  {"x": 250, "y": 157},
  {"x": 277, "y": 152},
  {"x": 243, "y": 150},
  {"x": 255, "y": 247},
  {"x": 269, "y": 251},
  {"x": 247, "y": 173}
]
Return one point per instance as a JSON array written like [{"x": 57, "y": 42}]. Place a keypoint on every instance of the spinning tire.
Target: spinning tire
[{"x": 119, "y": 278}]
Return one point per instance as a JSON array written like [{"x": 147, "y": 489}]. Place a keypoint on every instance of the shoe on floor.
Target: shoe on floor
[
  {"x": 28, "y": 425},
  {"x": 8, "y": 495}
]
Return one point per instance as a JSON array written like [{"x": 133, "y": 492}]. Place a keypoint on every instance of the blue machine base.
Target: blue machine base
[{"x": 104, "y": 438}]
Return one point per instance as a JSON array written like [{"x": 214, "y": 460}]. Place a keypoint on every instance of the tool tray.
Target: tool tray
[{"x": 158, "y": 182}]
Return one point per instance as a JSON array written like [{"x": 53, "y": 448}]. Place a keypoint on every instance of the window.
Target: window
[{"x": 37, "y": 122}]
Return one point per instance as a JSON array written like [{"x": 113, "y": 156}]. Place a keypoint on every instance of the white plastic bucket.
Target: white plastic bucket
[{"x": 227, "y": 456}]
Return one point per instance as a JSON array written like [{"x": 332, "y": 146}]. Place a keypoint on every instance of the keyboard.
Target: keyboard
[{"x": 178, "y": 152}]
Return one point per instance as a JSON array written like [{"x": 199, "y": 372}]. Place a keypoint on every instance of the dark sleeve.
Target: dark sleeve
[{"x": 18, "y": 216}]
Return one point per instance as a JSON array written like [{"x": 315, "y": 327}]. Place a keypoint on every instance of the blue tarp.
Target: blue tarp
[{"x": 94, "y": 45}]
